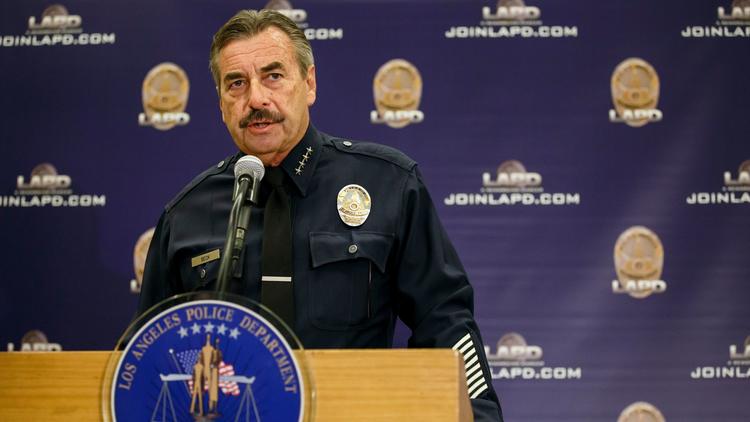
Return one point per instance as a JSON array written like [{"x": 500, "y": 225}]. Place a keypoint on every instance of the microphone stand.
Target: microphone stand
[{"x": 230, "y": 265}]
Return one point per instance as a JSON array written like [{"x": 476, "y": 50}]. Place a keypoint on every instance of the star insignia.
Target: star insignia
[
  {"x": 209, "y": 327},
  {"x": 303, "y": 161},
  {"x": 183, "y": 332},
  {"x": 196, "y": 328},
  {"x": 222, "y": 329},
  {"x": 234, "y": 333}
]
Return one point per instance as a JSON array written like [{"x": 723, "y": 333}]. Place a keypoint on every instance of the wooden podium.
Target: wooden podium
[{"x": 351, "y": 385}]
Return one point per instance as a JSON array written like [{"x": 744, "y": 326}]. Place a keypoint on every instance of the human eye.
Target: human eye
[
  {"x": 275, "y": 76},
  {"x": 238, "y": 83}
]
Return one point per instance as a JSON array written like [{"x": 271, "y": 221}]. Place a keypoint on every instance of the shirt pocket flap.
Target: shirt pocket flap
[{"x": 328, "y": 247}]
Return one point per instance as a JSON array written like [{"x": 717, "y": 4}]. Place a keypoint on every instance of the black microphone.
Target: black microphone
[{"x": 248, "y": 172}]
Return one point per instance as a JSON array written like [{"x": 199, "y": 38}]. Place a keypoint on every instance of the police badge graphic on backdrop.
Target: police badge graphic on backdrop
[
  {"x": 208, "y": 360},
  {"x": 635, "y": 93},
  {"x": 165, "y": 95}
]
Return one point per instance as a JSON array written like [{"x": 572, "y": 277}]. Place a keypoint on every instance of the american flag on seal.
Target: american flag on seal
[{"x": 187, "y": 360}]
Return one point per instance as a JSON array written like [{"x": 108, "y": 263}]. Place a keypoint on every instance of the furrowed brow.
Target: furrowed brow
[
  {"x": 232, "y": 76},
  {"x": 272, "y": 66}
]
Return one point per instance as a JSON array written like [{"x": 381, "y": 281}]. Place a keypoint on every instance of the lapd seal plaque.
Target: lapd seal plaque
[{"x": 204, "y": 360}]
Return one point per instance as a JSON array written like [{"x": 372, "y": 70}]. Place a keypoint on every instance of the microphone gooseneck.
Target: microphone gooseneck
[{"x": 248, "y": 172}]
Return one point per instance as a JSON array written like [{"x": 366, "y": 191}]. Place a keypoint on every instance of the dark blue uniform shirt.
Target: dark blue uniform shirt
[{"x": 403, "y": 265}]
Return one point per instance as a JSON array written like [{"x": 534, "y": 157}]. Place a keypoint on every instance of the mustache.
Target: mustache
[{"x": 260, "y": 115}]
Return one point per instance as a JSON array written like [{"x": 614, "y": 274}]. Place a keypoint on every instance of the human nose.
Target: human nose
[{"x": 259, "y": 95}]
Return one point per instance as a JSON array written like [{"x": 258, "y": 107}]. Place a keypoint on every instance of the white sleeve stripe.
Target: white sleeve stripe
[
  {"x": 469, "y": 354},
  {"x": 459, "y": 343},
  {"x": 467, "y": 346},
  {"x": 470, "y": 371},
  {"x": 475, "y": 385},
  {"x": 472, "y": 367},
  {"x": 478, "y": 392},
  {"x": 471, "y": 363},
  {"x": 473, "y": 378}
]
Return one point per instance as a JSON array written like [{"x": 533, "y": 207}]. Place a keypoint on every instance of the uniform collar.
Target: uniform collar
[{"x": 302, "y": 160}]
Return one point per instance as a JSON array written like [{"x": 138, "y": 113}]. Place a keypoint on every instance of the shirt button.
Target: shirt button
[
  {"x": 203, "y": 273},
  {"x": 347, "y": 143},
  {"x": 353, "y": 248}
]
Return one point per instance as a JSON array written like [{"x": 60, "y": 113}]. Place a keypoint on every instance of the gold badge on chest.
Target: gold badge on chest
[{"x": 353, "y": 204}]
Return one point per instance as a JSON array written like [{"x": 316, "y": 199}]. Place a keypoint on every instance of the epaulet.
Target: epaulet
[
  {"x": 211, "y": 171},
  {"x": 374, "y": 150}
]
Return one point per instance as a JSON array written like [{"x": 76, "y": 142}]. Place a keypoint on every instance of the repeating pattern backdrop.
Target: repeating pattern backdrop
[{"x": 589, "y": 160}]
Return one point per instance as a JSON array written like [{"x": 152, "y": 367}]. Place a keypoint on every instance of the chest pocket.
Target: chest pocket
[
  {"x": 200, "y": 274},
  {"x": 348, "y": 283}
]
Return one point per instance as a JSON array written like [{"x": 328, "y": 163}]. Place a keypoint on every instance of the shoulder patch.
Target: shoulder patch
[
  {"x": 370, "y": 149},
  {"x": 213, "y": 170}
]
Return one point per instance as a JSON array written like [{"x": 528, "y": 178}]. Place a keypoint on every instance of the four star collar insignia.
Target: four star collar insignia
[
  {"x": 353, "y": 202},
  {"x": 301, "y": 163}
]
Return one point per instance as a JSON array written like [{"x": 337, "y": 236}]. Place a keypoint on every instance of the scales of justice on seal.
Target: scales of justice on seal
[{"x": 211, "y": 356}]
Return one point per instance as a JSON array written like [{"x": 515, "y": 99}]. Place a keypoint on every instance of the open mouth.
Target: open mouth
[{"x": 260, "y": 119}]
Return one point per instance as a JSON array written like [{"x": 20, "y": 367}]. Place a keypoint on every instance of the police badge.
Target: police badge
[{"x": 353, "y": 204}]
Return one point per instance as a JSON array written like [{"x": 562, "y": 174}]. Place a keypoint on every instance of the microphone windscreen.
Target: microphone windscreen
[{"x": 249, "y": 165}]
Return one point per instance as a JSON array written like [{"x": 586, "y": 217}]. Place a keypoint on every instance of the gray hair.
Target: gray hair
[{"x": 246, "y": 24}]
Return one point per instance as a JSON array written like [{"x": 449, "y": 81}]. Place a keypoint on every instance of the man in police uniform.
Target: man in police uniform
[{"x": 367, "y": 245}]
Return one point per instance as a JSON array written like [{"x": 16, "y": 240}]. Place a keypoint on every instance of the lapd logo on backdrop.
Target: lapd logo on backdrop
[
  {"x": 56, "y": 26},
  {"x": 511, "y": 19},
  {"x": 512, "y": 184},
  {"x": 635, "y": 93},
  {"x": 639, "y": 261},
  {"x": 299, "y": 16},
  {"x": 736, "y": 189},
  {"x": 515, "y": 359},
  {"x": 732, "y": 21},
  {"x": 207, "y": 360},
  {"x": 737, "y": 366},
  {"x": 641, "y": 412},
  {"x": 35, "y": 341},
  {"x": 140, "y": 251},
  {"x": 46, "y": 188},
  {"x": 397, "y": 89},
  {"x": 165, "y": 95}
]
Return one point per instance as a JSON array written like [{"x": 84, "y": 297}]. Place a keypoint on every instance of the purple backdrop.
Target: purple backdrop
[{"x": 495, "y": 89}]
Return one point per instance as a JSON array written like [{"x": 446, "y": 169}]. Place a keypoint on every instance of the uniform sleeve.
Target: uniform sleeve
[
  {"x": 159, "y": 282},
  {"x": 435, "y": 298}
]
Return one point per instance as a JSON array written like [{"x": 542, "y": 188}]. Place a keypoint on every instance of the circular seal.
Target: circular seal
[
  {"x": 140, "y": 251},
  {"x": 353, "y": 203},
  {"x": 745, "y": 167},
  {"x": 397, "y": 86},
  {"x": 55, "y": 10},
  {"x": 511, "y": 3},
  {"x": 635, "y": 86},
  {"x": 44, "y": 169},
  {"x": 641, "y": 412},
  {"x": 165, "y": 90},
  {"x": 512, "y": 167},
  {"x": 206, "y": 360},
  {"x": 511, "y": 339},
  {"x": 34, "y": 336},
  {"x": 638, "y": 255},
  {"x": 279, "y": 5}
]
